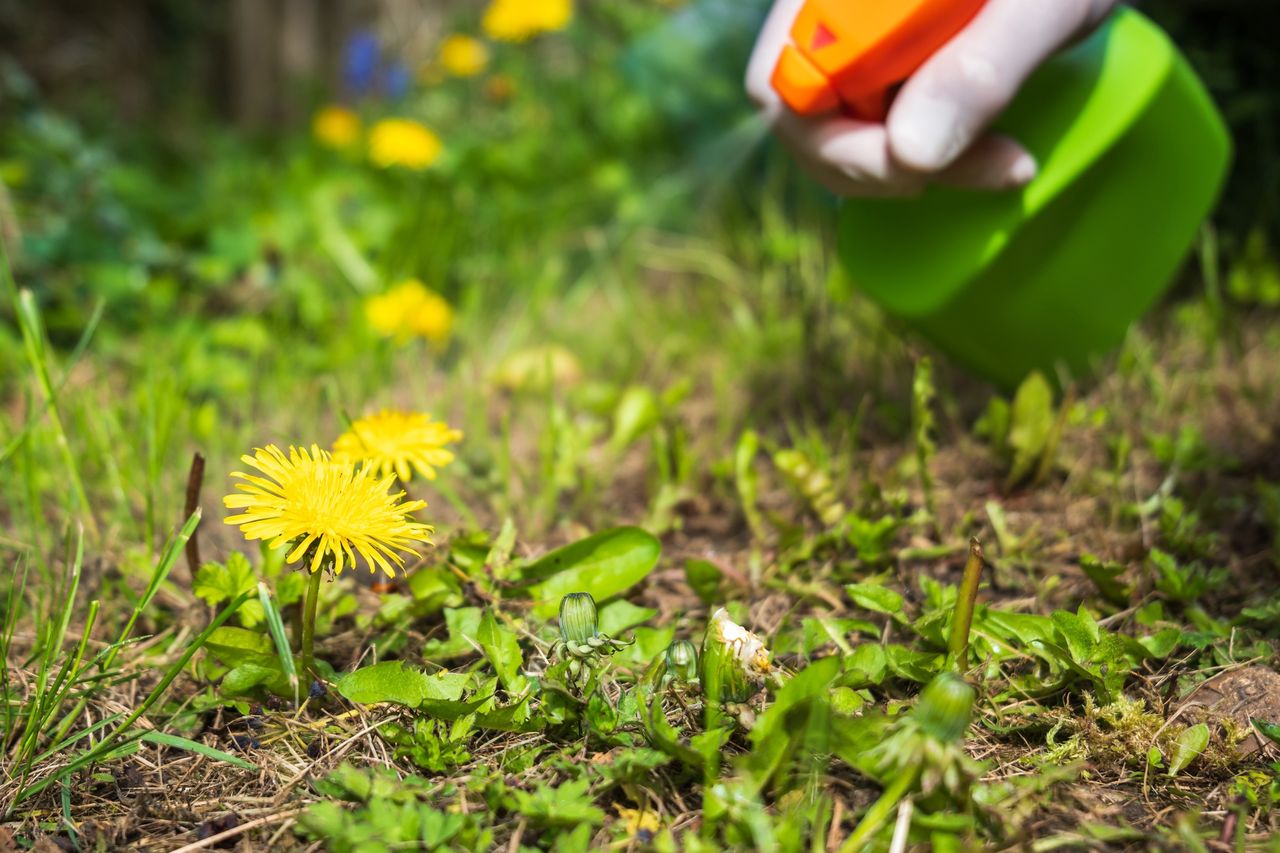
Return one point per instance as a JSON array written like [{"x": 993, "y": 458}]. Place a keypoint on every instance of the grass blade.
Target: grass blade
[
  {"x": 80, "y": 735},
  {"x": 168, "y": 559},
  {"x": 276, "y": 626},
  {"x": 120, "y": 741},
  {"x": 34, "y": 344},
  {"x": 164, "y": 739},
  {"x": 72, "y": 361}
]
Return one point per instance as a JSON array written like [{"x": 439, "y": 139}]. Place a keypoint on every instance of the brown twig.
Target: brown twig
[
  {"x": 213, "y": 840},
  {"x": 1228, "y": 831},
  {"x": 516, "y": 836},
  {"x": 833, "y": 832},
  {"x": 194, "y": 480}
]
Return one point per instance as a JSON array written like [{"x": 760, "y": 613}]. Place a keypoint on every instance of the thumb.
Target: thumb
[{"x": 952, "y": 98}]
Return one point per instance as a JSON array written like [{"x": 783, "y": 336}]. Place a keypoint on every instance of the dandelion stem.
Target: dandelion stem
[
  {"x": 962, "y": 619},
  {"x": 880, "y": 810},
  {"x": 309, "y": 620}
]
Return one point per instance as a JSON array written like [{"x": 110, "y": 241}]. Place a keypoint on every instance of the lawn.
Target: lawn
[{"x": 666, "y": 537}]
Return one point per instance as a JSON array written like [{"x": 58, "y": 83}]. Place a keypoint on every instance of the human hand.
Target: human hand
[{"x": 936, "y": 128}]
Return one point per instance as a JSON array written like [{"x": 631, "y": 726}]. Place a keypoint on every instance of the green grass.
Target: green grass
[{"x": 733, "y": 426}]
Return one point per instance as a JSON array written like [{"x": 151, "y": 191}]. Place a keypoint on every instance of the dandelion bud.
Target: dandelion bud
[
  {"x": 682, "y": 660},
  {"x": 945, "y": 707},
  {"x": 578, "y": 621},
  {"x": 734, "y": 660}
]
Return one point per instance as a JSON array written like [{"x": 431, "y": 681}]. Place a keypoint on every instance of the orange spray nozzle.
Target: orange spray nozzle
[{"x": 852, "y": 54}]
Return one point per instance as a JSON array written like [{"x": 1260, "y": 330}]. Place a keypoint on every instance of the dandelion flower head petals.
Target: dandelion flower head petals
[
  {"x": 518, "y": 20},
  {"x": 403, "y": 142},
  {"x": 748, "y": 648},
  {"x": 410, "y": 309},
  {"x": 463, "y": 56},
  {"x": 398, "y": 442},
  {"x": 325, "y": 509},
  {"x": 336, "y": 127},
  {"x": 642, "y": 825}
]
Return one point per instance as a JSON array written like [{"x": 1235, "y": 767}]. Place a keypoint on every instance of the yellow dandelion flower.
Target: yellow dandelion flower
[
  {"x": 325, "y": 509},
  {"x": 640, "y": 825},
  {"x": 463, "y": 56},
  {"x": 336, "y": 127},
  {"x": 398, "y": 442},
  {"x": 518, "y": 20},
  {"x": 410, "y": 309},
  {"x": 403, "y": 142}
]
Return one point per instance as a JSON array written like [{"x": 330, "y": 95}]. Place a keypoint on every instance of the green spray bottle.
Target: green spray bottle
[{"x": 1132, "y": 154}]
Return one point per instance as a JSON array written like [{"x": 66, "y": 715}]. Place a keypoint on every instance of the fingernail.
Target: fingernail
[
  {"x": 930, "y": 136},
  {"x": 1022, "y": 170}
]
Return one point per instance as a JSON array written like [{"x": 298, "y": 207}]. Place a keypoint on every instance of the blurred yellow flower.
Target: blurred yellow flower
[
  {"x": 537, "y": 368},
  {"x": 325, "y": 510},
  {"x": 640, "y": 825},
  {"x": 335, "y": 126},
  {"x": 518, "y": 20},
  {"x": 403, "y": 142},
  {"x": 398, "y": 442},
  {"x": 410, "y": 309},
  {"x": 463, "y": 56}
]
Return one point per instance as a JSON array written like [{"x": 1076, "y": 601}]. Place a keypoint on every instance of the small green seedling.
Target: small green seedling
[{"x": 1025, "y": 434}]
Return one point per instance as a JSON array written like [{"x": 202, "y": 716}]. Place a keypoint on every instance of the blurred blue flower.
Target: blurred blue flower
[
  {"x": 396, "y": 82},
  {"x": 360, "y": 62}
]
